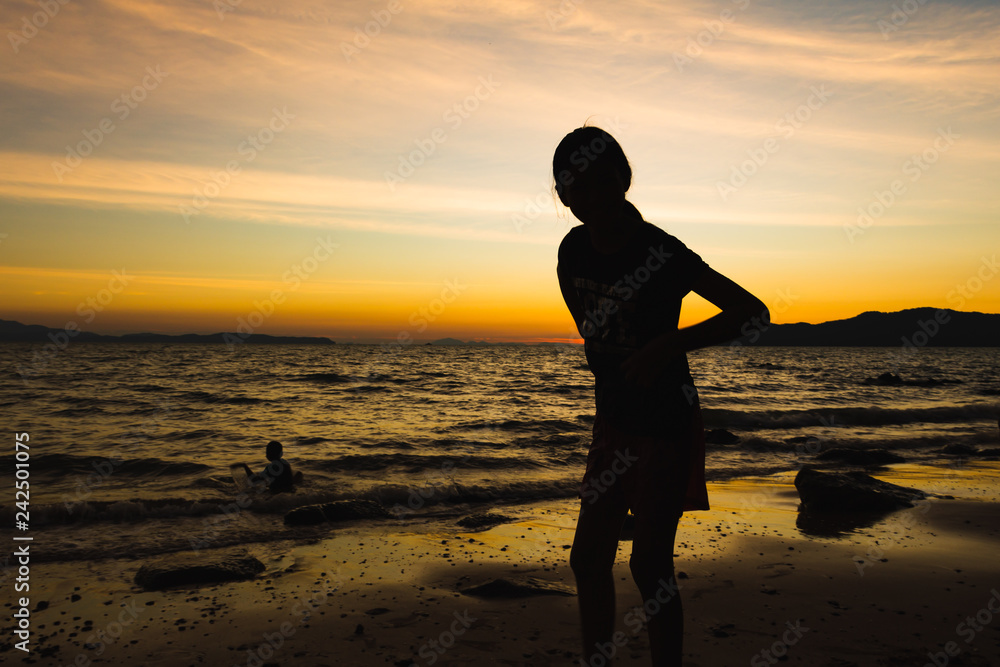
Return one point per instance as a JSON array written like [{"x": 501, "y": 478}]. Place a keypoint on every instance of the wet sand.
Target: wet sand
[{"x": 757, "y": 588}]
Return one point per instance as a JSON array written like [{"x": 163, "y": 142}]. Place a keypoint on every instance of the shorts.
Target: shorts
[{"x": 663, "y": 474}]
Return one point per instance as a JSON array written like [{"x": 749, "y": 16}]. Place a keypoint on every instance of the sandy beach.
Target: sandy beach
[{"x": 757, "y": 589}]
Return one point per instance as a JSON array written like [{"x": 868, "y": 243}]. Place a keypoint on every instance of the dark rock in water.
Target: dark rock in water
[
  {"x": 884, "y": 380},
  {"x": 306, "y": 516},
  {"x": 862, "y": 457},
  {"x": 720, "y": 436},
  {"x": 339, "y": 510},
  {"x": 197, "y": 570},
  {"x": 959, "y": 450},
  {"x": 851, "y": 491},
  {"x": 484, "y": 520},
  {"x": 522, "y": 588}
]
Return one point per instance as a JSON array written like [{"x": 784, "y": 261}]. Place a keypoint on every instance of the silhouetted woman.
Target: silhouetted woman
[{"x": 623, "y": 280}]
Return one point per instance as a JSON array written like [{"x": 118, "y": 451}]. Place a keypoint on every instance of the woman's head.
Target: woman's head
[{"x": 591, "y": 172}]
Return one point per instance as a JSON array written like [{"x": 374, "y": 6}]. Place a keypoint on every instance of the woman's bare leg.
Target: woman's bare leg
[
  {"x": 652, "y": 565},
  {"x": 595, "y": 545}
]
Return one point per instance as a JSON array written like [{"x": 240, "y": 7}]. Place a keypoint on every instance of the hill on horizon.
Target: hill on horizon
[
  {"x": 915, "y": 327},
  {"x": 11, "y": 331}
]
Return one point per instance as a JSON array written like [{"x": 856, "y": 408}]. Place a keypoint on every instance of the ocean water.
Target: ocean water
[{"x": 134, "y": 442}]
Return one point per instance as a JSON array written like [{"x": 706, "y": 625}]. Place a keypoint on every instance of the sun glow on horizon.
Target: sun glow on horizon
[{"x": 243, "y": 157}]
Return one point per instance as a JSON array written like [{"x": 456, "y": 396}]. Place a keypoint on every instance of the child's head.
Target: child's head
[
  {"x": 274, "y": 450},
  {"x": 591, "y": 172}
]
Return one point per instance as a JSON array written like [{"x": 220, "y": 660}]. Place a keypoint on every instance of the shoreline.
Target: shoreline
[{"x": 754, "y": 586}]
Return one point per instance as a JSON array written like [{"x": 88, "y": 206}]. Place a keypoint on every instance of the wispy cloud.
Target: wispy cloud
[{"x": 410, "y": 98}]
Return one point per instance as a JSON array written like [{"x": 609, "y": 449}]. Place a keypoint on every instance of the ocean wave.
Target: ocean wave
[
  {"x": 209, "y": 397},
  {"x": 414, "y": 463},
  {"x": 148, "y": 387},
  {"x": 78, "y": 412},
  {"x": 412, "y": 497},
  {"x": 515, "y": 425},
  {"x": 323, "y": 378},
  {"x": 848, "y": 416},
  {"x": 313, "y": 440},
  {"x": 191, "y": 435},
  {"x": 64, "y": 464}
]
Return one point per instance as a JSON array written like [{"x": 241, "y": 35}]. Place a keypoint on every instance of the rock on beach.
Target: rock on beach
[
  {"x": 197, "y": 569},
  {"x": 852, "y": 491}
]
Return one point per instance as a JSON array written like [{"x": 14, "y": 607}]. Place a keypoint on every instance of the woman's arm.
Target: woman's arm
[
  {"x": 741, "y": 313},
  {"x": 572, "y": 300}
]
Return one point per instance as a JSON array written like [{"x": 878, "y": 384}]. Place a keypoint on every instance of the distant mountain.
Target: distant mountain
[
  {"x": 915, "y": 327},
  {"x": 11, "y": 331},
  {"x": 447, "y": 341}
]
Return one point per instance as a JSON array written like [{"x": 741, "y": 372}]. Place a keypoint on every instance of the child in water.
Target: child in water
[
  {"x": 278, "y": 473},
  {"x": 623, "y": 280}
]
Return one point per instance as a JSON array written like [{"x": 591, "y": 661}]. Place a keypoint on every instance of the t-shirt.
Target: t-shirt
[
  {"x": 279, "y": 476},
  {"x": 629, "y": 297}
]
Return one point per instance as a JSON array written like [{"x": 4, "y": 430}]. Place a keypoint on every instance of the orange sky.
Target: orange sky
[{"x": 261, "y": 164}]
